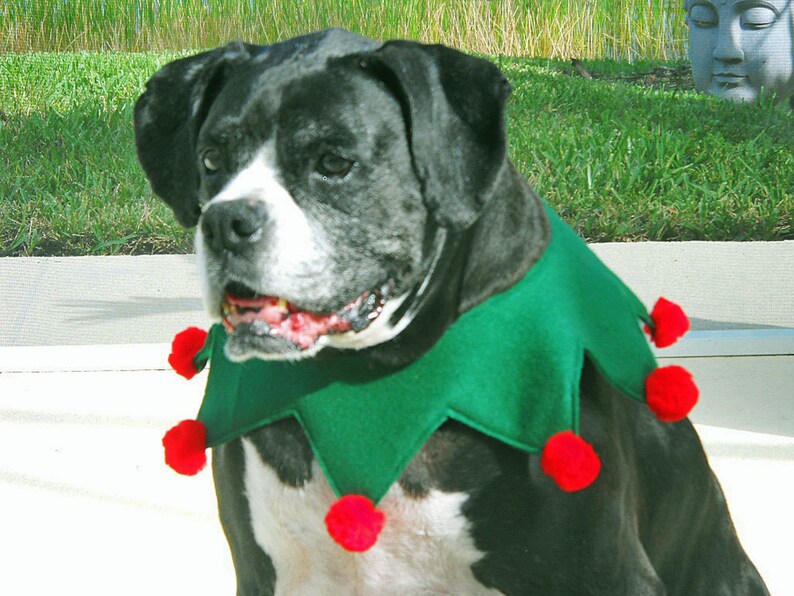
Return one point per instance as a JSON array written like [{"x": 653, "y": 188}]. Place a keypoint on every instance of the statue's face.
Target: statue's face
[{"x": 738, "y": 47}]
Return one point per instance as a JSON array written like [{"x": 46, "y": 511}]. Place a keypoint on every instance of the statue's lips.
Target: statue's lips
[
  {"x": 277, "y": 317},
  {"x": 728, "y": 79}
]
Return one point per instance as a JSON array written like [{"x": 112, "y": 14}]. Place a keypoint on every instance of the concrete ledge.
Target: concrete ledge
[
  {"x": 751, "y": 393},
  {"x": 763, "y": 341},
  {"x": 97, "y": 300},
  {"x": 723, "y": 286}
]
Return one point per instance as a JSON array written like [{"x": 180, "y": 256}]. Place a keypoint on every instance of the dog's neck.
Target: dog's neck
[{"x": 469, "y": 267}]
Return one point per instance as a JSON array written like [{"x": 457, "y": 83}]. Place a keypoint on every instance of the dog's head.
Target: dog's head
[{"x": 329, "y": 176}]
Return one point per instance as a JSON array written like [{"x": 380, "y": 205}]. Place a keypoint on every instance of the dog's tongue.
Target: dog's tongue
[{"x": 273, "y": 316}]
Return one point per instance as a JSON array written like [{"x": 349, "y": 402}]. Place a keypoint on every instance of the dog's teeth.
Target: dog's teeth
[
  {"x": 260, "y": 328},
  {"x": 370, "y": 305},
  {"x": 282, "y": 304}
]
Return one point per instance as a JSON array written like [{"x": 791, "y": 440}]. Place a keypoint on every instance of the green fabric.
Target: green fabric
[{"x": 509, "y": 368}]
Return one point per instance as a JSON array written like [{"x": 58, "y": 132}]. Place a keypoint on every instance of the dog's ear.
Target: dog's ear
[
  {"x": 454, "y": 107},
  {"x": 168, "y": 117}
]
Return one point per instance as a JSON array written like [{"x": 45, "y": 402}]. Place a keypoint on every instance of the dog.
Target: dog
[{"x": 332, "y": 173}]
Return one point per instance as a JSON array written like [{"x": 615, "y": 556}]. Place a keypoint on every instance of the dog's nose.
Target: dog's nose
[{"x": 233, "y": 225}]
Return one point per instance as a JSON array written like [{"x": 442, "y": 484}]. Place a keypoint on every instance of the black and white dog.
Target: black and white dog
[{"x": 331, "y": 167}]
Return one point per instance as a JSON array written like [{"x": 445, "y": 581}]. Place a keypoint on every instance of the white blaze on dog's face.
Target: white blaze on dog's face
[
  {"x": 297, "y": 246},
  {"x": 313, "y": 223}
]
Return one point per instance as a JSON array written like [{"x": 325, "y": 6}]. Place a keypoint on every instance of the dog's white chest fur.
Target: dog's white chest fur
[{"x": 425, "y": 547}]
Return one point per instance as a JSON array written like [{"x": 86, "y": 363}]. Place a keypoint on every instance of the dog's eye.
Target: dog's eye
[
  {"x": 212, "y": 160},
  {"x": 333, "y": 165}
]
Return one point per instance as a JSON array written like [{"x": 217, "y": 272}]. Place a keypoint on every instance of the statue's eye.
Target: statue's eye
[
  {"x": 758, "y": 17},
  {"x": 212, "y": 160},
  {"x": 704, "y": 17}
]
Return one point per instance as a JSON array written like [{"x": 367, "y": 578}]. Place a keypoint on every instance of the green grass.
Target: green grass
[
  {"x": 69, "y": 178},
  {"x": 619, "y": 161},
  {"x": 618, "y": 29},
  {"x": 625, "y": 162}
]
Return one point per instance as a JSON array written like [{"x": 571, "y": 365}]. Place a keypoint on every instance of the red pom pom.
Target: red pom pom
[
  {"x": 185, "y": 447},
  {"x": 184, "y": 348},
  {"x": 354, "y": 523},
  {"x": 670, "y": 323},
  {"x": 671, "y": 393},
  {"x": 570, "y": 461}
]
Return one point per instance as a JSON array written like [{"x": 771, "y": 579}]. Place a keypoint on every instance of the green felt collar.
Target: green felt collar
[{"x": 519, "y": 385}]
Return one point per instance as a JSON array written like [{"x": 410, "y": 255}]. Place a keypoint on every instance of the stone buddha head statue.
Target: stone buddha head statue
[{"x": 741, "y": 49}]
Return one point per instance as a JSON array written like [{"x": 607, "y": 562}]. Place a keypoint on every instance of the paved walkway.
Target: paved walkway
[{"x": 84, "y": 398}]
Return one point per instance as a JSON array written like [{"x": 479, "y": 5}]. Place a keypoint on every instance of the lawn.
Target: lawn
[
  {"x": 622, "y": 157},
  {"x": 633, "y": 154}
]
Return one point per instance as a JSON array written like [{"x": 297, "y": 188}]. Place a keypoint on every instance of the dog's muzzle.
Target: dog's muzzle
[
  {"x": 275, "y": 317},
  {"x": 236, "y": 229}
]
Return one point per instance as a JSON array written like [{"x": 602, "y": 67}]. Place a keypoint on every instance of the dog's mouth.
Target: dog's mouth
[{"x": 247, "y": 312}]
